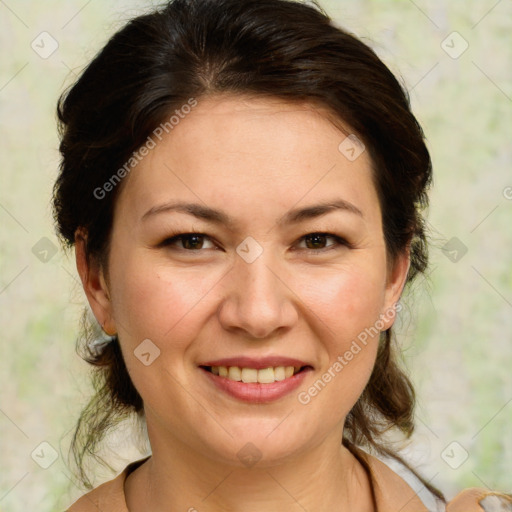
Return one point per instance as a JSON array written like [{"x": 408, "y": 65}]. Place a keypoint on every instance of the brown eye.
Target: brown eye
[
  {"x": 192, "y": 241},
  {"x": 188, "y": 241},
  {"x": 317, "y": 242}
]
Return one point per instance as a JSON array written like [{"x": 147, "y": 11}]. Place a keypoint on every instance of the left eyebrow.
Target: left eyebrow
[{"x": 317, "y": 210}]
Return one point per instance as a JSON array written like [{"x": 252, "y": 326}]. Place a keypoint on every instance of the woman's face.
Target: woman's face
[{"x": 273, "y": 278}]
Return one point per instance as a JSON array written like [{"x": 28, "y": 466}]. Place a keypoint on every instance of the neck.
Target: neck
[{"x": 176, "y": 477}]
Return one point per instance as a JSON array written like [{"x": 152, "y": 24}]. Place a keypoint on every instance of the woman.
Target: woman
[{"x": 243, "y": 183}]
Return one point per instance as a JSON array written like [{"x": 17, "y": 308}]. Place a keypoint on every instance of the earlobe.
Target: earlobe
[
  {"x": 395, "y": 285},
  {"x": 94, "y": 284}
]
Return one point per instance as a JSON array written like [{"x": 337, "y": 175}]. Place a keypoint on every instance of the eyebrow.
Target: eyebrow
[
  {"x": 313, "y": 211},
  {"x": 219, "y": 217}
]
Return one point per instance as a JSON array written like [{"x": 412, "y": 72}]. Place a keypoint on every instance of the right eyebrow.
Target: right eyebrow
[{"x": 195, "y": 209}]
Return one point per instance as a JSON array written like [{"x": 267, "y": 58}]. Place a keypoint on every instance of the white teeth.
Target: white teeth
[
  {"x": 252, "y": 375},
  {"x": 266, "y": 376},
  {"x": 234, "y": 373},
  {"x": 279, "y": 373},
  {"x": 249, "y": 375}
]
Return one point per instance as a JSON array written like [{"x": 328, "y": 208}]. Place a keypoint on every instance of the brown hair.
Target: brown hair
[{"x": 278, "y": 48}]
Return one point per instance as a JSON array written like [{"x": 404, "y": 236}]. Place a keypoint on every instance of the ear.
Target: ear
[
  {"x": 94, "y": 284},
  {"x": 397, "y": 277}
]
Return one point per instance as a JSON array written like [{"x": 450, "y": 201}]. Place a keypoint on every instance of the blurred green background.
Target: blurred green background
[{"x": 457, "y": 331}]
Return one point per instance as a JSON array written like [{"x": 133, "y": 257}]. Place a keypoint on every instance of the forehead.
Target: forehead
[{"x": 233, "y": 151}]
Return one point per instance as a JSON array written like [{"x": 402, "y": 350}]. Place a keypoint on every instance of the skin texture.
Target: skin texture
[{"x": 255, "y": 159}]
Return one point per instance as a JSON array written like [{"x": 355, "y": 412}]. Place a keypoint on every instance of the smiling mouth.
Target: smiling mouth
[{"x": 252, "y": 375}]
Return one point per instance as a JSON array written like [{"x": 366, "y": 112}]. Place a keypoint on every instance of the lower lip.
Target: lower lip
[{"x": 254, "y": 391}]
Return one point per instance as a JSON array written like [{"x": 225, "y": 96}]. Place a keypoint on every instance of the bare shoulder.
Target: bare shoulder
[
  {"x": 108, "y": 496},
  {"x": 476, "y": 499}
]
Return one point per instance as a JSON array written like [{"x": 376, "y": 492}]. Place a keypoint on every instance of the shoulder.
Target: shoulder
[
  {"x": 108, "y": 493},
  {"x": 395, "y": 493},
  {"x": 108, "y": 496},
  {"x": 391, "y": 491},
  {"x": 476, "y": 499}
]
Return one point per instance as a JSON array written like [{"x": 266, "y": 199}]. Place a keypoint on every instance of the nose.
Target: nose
[{"x": 258, "y": 302}]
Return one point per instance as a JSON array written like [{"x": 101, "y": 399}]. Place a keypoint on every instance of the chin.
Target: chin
[{"x": 260, "y": 444}]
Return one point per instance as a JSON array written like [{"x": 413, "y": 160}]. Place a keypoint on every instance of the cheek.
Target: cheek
[
  {"x": 151, "y": 301},
  {"x": 347, "y": 300},
  {"x": 348, "y": 303}
]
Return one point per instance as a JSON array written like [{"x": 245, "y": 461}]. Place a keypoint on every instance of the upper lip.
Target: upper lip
[{"x": 257, "y": 363}]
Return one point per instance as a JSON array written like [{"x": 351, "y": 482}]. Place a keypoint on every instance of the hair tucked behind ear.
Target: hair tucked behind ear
[{"x": 190, "y": 49}]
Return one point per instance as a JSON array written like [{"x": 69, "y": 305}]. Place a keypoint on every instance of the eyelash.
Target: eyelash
[{"x": 339, "y": 241}]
